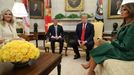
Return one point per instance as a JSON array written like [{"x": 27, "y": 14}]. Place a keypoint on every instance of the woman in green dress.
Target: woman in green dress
[{"x": 122, "y": 48}]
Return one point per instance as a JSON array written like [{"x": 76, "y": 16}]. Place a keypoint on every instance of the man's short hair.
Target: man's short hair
[
  {"x": 84, "y": 14},
  {"x": 54, "y": 19}
]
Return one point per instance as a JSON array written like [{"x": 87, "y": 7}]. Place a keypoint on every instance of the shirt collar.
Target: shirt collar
[{"x": 85, "y": 24}]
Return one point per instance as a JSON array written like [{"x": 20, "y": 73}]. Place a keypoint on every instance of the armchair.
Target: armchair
[
  {"x": 47, "y": 44},
  {"x": 98, "y": 29}
]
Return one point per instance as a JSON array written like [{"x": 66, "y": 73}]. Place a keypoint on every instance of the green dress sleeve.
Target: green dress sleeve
[{"x": 127, "y": 39}]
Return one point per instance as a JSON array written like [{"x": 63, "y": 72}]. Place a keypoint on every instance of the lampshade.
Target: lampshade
[
  {"x": 125, "y": 2},
  {"x": 19, "y": 10}
]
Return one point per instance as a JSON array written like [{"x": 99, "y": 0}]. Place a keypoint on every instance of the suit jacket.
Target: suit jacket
[
  {"x": 51, "y": 31},
  {"x": 89, "y": 33}
]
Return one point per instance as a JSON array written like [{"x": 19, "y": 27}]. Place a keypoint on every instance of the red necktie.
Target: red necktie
[{"x": 83, "y": 33}]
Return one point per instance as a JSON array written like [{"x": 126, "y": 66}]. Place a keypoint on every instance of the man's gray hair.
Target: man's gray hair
[{"x": 84, "y": 14}]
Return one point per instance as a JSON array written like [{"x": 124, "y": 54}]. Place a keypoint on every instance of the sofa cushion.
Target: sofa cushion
[{"x": 115, "y": 67}]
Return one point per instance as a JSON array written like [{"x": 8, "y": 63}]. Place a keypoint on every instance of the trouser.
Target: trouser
[
  {"x": 61, "y": 42},
  {"x": 75, "y": 45}
]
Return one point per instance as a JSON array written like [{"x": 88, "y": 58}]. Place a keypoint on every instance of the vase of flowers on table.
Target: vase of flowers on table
[{"x": 19, "y": 52}]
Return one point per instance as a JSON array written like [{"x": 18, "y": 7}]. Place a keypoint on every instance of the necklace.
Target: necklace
[{"x": 10, "y": 28}]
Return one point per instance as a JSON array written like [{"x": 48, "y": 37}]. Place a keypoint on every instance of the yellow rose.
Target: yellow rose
[{"x": 19, "y": 51}]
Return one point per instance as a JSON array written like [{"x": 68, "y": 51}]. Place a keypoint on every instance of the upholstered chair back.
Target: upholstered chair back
[{"x": 98, "y": 28}]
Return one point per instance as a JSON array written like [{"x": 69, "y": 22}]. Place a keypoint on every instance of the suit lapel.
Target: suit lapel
[
  {"x": 57, "y": 29},
  {"x": 81, "y": 28},
  {"x": 53, "y": 30},
  {"x": 87, "y": 27},
  {"x": 87, "y": 30}
]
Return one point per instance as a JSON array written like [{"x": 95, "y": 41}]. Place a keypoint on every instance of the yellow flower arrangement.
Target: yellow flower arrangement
[{"x": 18, "y": 51}]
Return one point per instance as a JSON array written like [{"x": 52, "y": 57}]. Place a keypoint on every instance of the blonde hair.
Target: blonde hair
[{"x": 2, "y": 21}]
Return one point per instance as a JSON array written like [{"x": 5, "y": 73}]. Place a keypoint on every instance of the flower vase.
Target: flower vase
[{"x": 22, "y": 65}]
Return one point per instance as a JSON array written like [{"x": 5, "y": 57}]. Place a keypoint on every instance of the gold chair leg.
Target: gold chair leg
[{"x": 46, "y": 49}]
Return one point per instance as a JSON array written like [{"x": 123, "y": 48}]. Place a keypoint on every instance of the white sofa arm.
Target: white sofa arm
[{"x": 115, "y": 67}]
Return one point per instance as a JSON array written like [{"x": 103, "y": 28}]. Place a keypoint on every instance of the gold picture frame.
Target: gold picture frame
[
  {"x": 113, "y": 7},
  {"x": 74, "y": 5},
  {"x": 36, "y": 14}
]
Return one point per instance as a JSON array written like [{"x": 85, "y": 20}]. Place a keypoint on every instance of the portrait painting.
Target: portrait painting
[
  {"x": 74, "y": 5},
  {"x": 36, "y": 8},
  {"x": 113, "y": 8}
]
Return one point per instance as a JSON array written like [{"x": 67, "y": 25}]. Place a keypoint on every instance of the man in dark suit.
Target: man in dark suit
[
  {"x": 85, "y": 34},
  {"x": 56, "y": 33}
]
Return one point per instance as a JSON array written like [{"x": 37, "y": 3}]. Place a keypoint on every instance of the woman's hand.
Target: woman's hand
[{"x": 99, "y": 42}]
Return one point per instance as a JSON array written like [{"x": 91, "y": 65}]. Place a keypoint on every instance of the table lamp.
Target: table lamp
[{"x": 19, "y": 10}]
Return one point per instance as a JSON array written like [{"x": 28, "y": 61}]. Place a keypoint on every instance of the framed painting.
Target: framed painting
[
  {"x": 36, "y": 9},
  {"x": 113, "y": 7},
  {"x": 74, "y": 5}
]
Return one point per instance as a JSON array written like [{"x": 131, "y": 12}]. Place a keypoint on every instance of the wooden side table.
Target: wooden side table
[
  {"x": 30, "y": 37},
  {"x": 43, "y": 66}
]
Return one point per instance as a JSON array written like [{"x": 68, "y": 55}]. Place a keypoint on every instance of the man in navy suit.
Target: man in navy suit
[
  {"x": 84, "y": 34},
  {"x": 56, "y": 34}
]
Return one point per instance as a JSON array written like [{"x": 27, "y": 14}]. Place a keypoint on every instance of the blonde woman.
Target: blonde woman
[
  {"x": 7, "y": 27},
  {"x": 7, "y": 33}
]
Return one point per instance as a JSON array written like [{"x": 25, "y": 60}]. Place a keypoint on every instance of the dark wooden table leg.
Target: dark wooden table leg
[
  {"x": 36, "y": 43},
  {"x": 66, "y": 51},
  {"x": 44, "y": 44},
  {"x": 59, "y": 69}
]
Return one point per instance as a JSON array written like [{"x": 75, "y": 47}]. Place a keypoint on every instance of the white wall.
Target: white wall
[
  {"x": 9, "y": 4},
  {"x": 6, "y": 4},
  {"x": 58, "y": 7},
  {"x": 108, "y": 27}
]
